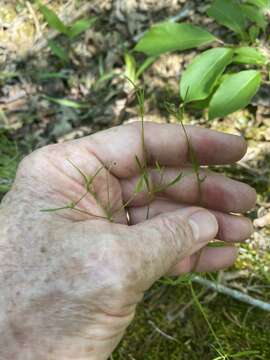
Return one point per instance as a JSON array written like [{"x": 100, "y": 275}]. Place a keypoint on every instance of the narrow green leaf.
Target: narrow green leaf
[
  {"x": 249, "y": 55},
  {"x": 51, "y": 75},
  {"x": 200, "y": 77},
  {"x": 52, "y": 19},
  {"x": 234, "y": 93},
  {"x": 130, "y": 67},
  {"x": 253, "y": 32},
  {"x": 245, "y": 354},
  {"x": 255, "y": 15},
  {"x": 56, "y": 209},
  {"x": 138, "y": 161},
  {"x": 173, "y": 182},
  {"x": 181, "y": 280},
  {"x": 80, "y": 26},
  {"x": 140, "y": 185},
  {"x": 84, "y": 176},
  {"x": 229, "y": 14},
  {"x": 145, "y": 65},
  {"x": 58, "y": 51},
  {"x": 66, "y": 102},
  {"x": 263, "y": 4},
  {"x": 159, "y": 168},
  {"x": 169, "y": 36}
]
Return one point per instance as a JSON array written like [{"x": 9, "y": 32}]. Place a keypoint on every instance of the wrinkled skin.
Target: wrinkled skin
[{"x": 70, "y": 281}]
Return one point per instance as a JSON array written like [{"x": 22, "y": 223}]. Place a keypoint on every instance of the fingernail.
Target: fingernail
[{"x": 204, "y": 225}]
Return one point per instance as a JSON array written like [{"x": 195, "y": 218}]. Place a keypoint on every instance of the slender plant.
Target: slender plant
[{"x": 71, "y": 32}]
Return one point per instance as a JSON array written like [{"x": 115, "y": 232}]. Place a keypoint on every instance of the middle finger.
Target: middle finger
[{"x": 217, "y": 191}]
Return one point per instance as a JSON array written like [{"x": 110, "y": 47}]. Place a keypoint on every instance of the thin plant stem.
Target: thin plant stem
[
  {"x": 88, "y": 213},
  {"x": 201, "y": 309}
]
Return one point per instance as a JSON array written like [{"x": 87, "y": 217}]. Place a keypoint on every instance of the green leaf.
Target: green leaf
[
  {"x": 229, "y": 14},
  {"x": 234, "y": 93},
  {"x": 241, "y": 354},
  {"x": 80, "y": 26},
  {"x": 181, "y": 280},
  {"x": 58, "y": 51},
  {"x": 255, "y": 15},
  {"x": 201, "y": 104},
  {"x": 130, "y": 67},
  {"x": 249, "y": 55},
  {"x": 262, "y": 4},
  {"x": 52, "y": 19},
  {"x": 145, "y": 65},
  {"x": 66, "y": 102},
  {"x": 140, "y": 185},
  {"x": 201, "y": 75},
  {"x": 169, "y": 36},
  {"x": 254, "y": 32},
  {"x": 171, "y": 183},
  {"x": 51, "y": 75}
]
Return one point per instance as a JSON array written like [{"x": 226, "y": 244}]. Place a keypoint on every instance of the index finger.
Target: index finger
[{"x": 165, "y": 143}]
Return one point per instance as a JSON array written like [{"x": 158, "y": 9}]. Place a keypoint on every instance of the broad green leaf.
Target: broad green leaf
[
  {"x": 201, "y": 104},
  {"x": 58, "y": 51},
  {"x": 229, "y": 14},
  {"x": 234, "y": 93},
  {"x": 249, "y": 55},
  {"x": 255, "y": 15},
  {"x": 80, "y": 26},
  {"x": 263, "y": 4},
  {"x": 169, "y": 36},
  {"x": 200, "y": 77},
  {"x": 52, "y": 19}
]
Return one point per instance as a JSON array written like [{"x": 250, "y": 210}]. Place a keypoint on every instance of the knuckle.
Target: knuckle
[{"x": 179, "y": 233}]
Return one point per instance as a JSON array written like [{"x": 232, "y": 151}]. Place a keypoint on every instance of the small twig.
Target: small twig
[
  {"x": 177, "y": 314},
  {"x": 161, "y": 332},
  {"x": 238, "y": 295}
]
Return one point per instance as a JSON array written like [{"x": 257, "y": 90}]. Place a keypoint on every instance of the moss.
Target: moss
[{"x": 239, "y": 328}]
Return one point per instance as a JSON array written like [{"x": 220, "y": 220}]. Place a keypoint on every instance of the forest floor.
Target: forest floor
[{"x": 34, "y": 112}]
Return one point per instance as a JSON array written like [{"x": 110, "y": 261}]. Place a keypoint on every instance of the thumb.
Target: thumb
[{"x": 166, "y": 239}]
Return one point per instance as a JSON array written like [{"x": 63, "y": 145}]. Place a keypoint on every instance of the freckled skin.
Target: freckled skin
[{"x": 71, "y": 280}]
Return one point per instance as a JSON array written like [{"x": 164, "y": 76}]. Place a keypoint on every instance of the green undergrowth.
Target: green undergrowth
[
  {"x": 9, "y": 158},
  {"x": 242, "y": 331}
]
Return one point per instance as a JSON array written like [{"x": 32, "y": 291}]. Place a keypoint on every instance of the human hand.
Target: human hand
[{"x": 71, "y": 279}]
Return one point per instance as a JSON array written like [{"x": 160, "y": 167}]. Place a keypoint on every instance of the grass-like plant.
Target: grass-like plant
[
  {"x": 71, "y": 32},
  {"x": 144, "y": 182}
]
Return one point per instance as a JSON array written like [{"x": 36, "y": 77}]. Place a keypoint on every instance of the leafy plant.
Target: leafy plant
[
  {"x": 133, "y": 71},
  {"x": 222, "y": 79},
  {"x": 169, "y": 36},
  {"x": 70, "y": 31}
]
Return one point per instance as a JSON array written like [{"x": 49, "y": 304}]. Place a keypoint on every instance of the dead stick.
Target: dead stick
[{"x": 238, "y": 295}]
